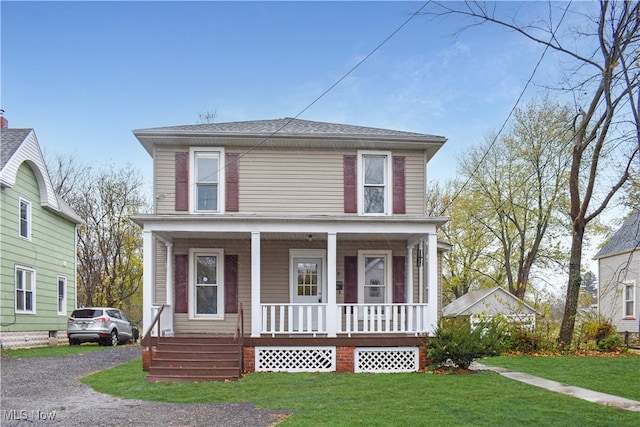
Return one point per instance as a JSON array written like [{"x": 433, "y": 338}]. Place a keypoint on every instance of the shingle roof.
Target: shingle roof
[
  {"x": 626, "y": 239},
  {"x": 465, "y": 301},
  {"x": 10, "y": 140},
  {"x": 284, "y": 127}
]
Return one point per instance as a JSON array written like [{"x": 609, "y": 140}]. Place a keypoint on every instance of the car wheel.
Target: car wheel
[
  {"x": 73, "y": 341},
  {"x": 114, "y": 338}
]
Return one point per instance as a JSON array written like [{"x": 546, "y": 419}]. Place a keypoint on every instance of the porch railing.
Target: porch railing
[{"x": 287, "y": 318}]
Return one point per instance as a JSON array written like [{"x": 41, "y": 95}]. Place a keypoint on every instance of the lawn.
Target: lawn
[
  {"x": 614, "y": 375},
  {"x": 376, "y": 399},
  {"x": 57, "y": 350}
]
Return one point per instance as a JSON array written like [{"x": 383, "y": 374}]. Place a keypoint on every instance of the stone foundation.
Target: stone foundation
[{"x": 31, "y": 339}]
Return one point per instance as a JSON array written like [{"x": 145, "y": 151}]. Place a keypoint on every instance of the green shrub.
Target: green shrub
[
  {"x": 600, "y": 334},
  {"x": 456, "y": 343},
  {"x": 523, "y": 340},
  {"x": 611, "y": 343}
]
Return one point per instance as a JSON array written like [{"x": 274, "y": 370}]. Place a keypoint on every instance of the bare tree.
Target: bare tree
[
  {"x": 109, "y": 244},
  {"x": 604, "y": 80}
]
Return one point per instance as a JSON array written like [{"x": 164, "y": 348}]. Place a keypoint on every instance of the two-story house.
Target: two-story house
[
  {"x": 37, "y": 247},
  {"x": 619, "y": 277},
  {"x": 317, "y": 230}
]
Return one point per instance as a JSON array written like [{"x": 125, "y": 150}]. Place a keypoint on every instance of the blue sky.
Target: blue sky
[{"x": 85, "y": 74}]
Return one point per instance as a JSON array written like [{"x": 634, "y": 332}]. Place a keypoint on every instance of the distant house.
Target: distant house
[
  {"x": 486, "y": 304},
  {"x": 37, "y": 244},
  {"x": 619, "y": 277},
  {"x": 318, "y": 229}
]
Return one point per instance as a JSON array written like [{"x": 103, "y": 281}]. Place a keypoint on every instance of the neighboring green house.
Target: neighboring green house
[{"x": 37, "y": 247}]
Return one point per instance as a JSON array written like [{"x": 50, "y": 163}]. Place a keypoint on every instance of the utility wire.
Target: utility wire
[{"x": 513, "y": 109}]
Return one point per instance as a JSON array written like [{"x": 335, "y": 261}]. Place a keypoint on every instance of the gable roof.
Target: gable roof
[
  {"x": 626, "y": 239},
  {"x": 277, "y": 131},
  {"x": 466, "y": 302},
  {"x": 18, "y": 146}
]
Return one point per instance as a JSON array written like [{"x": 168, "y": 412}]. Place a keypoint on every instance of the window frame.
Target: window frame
[
  {"x": 28, "y": 221},
  {"x": 388, "y": 273},
  {"x": 194, "y": 153},
  {"x": 388, "y": 181},
  {"x": 629, "y": 284},
  {"x": 32, "y": 292},
  {"x": 62, "y": 299},
  {"x": 193, "y": 253}
]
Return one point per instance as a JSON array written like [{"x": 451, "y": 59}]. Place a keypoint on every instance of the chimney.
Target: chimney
[{"x": 3, "y": 122}]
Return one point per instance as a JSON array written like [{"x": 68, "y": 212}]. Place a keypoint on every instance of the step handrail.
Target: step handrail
[{"x": 146, "y": 338}]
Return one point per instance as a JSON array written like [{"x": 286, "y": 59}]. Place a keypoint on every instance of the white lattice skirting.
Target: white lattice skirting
[
  {"x": 383, "y": 359},
  {"x": 295, "y": 359}
]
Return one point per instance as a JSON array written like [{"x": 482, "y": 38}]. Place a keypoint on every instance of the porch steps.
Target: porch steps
[{"x": 196, "y": 359}]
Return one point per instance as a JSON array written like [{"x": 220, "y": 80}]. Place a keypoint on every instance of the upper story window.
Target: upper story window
[
  {"x": 374, "y": 182},
  {"x": 25, "y": 219},
  {"x": 25, "y": 290},
  {"x": 628, "y": 309},
  {"x": 207, "y": 180}
]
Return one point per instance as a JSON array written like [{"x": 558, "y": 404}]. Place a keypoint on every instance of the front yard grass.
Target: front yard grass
[
  {"x": 376, "y": 399},
  {"x": 56, "y": 350},
  {"x": 619, "y": 376}
]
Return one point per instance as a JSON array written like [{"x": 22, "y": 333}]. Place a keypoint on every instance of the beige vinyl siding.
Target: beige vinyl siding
[
  {"x": 289, "y": 181},
  {"x": 160, "y": 274},
  {"x": 165, "y": 178},
  {"x": 242, "y": 248},
  {"x": 275, "y": 287}
]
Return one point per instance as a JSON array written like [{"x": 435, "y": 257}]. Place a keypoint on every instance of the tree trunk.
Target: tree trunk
[{"x": 573, "y": 287}]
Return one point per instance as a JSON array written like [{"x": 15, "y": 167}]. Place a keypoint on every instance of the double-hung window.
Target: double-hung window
[
  {"x": 629, "y": 294},
  {"x": 207, "y": 288},
  {"x": 25, "y": 219},
  {"x": 374, "y": 273},
  {"x": 25, "y": 286},
  {"x": 374, "y": 182},
  {"x": 207, "y": 180}
]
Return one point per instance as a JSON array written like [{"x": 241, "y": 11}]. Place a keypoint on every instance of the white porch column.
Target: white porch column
[
  {"x": 332, "y": 308},
  {"x": 256, "y": 324},
  {"x": 421, "y": 284},
  {"x": 409, "y": 288},
  {"x": 432, "y": 280},
  {"x": 147, "y": 280},
  {"x": 167, "y": 321}
]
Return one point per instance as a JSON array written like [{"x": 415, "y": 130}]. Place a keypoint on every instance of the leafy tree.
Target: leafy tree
[
  {"x": 109, "y": 244},
  {"x": 601, "y": 73},
  {"x": 516, "y": 182}
]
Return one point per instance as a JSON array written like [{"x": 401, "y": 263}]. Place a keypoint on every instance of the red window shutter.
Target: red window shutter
[
  {"x": 232, "y": 174},
  {"x": 350, "y": 184},
  {"x": 231, "y": 283},
  {"x": 351, "y": 279},
  {"x": 398, "y": 185},
  {"x": 180, "y": 271},
  {"x": 399, "y": 279},
  {"x": 182, "y": 181}
]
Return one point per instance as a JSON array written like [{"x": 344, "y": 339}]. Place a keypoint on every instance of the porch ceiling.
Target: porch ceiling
[{"x": 289, "y": 236}]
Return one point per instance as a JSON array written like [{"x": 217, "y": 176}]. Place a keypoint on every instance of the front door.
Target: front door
[{"x": 307, "y": 279}]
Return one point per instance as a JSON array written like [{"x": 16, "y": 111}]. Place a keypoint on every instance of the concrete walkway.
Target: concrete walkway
[{"x": 579, "y": 392}]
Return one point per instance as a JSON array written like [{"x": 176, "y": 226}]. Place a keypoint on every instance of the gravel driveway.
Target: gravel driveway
[{"x": 46, "y": 392}]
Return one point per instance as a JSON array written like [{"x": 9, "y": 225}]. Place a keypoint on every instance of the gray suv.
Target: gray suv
[{"x": 105, "y": 325}]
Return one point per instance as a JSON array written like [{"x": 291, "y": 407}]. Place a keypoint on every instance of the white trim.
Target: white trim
[
  {"x": 332, "y": 312},
  {"x": 256, "y": 320},
  {"x": 386, "y": 362},
  {"x": 33, "y": 290},
  {"x": 29, "y": 206},
  {"x": 148, "y": 276},
  {"x": 388, "y": 182},
  {"x": 388, "y": 273},
  {"x": 221, "y": 179},
  {"x": 64, "y": 296},
  {"x": 296, "y": 359},
  {"x": 219, "y": 254},
  {"x": 629, "y": 284}
]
